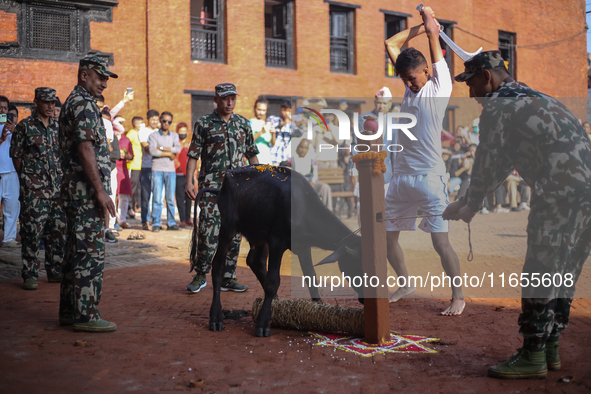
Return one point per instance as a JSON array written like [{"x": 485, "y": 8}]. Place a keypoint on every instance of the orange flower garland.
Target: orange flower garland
[{"x": 379, "y": 165}]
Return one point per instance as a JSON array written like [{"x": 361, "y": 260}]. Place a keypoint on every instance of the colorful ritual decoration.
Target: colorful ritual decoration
[
  {"x": 379, "y": 160},
  {"x": 397, "y": 344}
]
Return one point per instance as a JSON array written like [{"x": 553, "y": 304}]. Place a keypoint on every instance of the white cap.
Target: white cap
[{"x": 384, "y": 92}]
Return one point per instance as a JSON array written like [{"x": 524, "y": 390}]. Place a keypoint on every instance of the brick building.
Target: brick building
[{"x": 173, "y": 53}]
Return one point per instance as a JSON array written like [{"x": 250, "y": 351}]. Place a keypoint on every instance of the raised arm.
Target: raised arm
[
  {"x": 432, "y": 30},
  {"x": 395, "y": 43}
]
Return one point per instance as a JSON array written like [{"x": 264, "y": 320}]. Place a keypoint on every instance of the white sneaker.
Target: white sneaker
[
  {"x": 501, "y": 210},
  {"x": 11, "y": 244},
  {"x": 484, "y": 211},
  {"x": 524, "y": 206}
]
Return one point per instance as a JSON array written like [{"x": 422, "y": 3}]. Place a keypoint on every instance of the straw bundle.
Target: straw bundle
[{"x": 305, "y": 315}]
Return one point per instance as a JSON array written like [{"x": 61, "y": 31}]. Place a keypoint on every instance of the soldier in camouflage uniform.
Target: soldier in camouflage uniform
[
  {"x": 86, "y": 187},
  {"x": 538, "y": 136},
  {"x": 221, "y": 140},
  {"x": 35, "y": 153}
]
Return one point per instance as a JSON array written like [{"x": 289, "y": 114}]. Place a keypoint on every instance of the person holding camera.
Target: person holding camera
[
  {"x": 35, "y": 154},
  {"x": 9, "y": 184}
]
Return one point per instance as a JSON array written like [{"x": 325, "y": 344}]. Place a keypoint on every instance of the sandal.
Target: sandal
[
  {"x": 132, "y": 236},
  {"x": 140, "y": 235}
]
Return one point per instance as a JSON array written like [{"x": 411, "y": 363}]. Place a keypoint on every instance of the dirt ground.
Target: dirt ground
[{"x": 162, "y": 341}]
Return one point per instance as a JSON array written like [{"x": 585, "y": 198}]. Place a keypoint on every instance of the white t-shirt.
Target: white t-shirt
[
  {"x": 6, "y": 165},
  {"x": 306, "y": 165},
  {"x": 144, "y": 136},
  {"x": 109, "y": 129},
  {"x": 423, "y": 156}
]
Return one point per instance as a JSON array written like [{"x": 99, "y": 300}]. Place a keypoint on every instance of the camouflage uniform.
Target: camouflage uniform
[
  {"x": 80, "y": 121},
  {"x": 220, "y": 146},
  {"x": 538, "y": 136},
  {"x": 42, "y": 210}
]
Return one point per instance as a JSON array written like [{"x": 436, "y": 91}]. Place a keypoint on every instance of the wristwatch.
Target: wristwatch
[{"x": 161, "y": 148}]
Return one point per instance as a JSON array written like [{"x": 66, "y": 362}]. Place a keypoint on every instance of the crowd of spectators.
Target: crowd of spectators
[
  {"x": 148, "y": 158},
  {"x": 458, "y": 154},
  {"x": 145, "y": 161}
]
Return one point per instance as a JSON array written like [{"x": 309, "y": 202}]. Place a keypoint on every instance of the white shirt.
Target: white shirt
[
  {"x": 423, "y": 156},
  {"x": 144, "y": 136},
  {"x": 109, "y": 129},
  {"x": 5, "y": 160},
  {"x": 306, "y": 165}
]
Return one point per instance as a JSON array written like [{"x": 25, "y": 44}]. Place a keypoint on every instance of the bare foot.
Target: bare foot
[
  {"x": 455, "y": 308},
  {"x": 401, "y": 293}
]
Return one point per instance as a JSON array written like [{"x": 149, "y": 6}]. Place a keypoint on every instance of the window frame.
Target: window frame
[
  {"x": 289, "y": 38},
  {"x": 349, "y": 10},
  {"x": 81, "y": 13},
  {"x": 220, "y": 51},
  {"x": 402, "y": 19},
  {"x": 511, "y": 48},
  {"x": 449, "y": 30},
  {"x": 199, "y": 95}
]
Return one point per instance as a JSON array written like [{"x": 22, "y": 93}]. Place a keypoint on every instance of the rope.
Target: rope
[
  {"x": 470, "y": 254},
  {"x": 531, "y": 46}
]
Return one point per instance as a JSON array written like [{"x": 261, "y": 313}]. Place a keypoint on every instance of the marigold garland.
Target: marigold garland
[{"x": 379, "y": 164}]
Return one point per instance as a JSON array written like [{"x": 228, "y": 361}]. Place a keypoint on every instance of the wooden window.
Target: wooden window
[
  {"x": 394, "y": 22},
  {"x": 342, "y": 37},
  {"x": 279, "y": 34},
  {"x": 507, "y": 48},
  {"x": 207, "y": 30}
]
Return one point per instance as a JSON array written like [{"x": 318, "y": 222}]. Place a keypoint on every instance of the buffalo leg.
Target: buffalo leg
[
  {"x": 271, "y": 286},
  {"x": 308, "y": 270},
  {"x": 257, "y": 261},
  {"x": 216, "y": 316}
]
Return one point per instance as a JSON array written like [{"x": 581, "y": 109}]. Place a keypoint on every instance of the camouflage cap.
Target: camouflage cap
[
  {"x": 45, "y": 94},
  {"x": 97, "y": 64},
  {"x": 483, "y": 61},
  {"x": 225, "y": 89}
]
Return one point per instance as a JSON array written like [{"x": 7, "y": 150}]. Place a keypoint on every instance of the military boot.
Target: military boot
[
  {"x": 525, "y": 364},
  {"x": 30, "y": 283},
  {"x": 96, "y": 326},
  {"x": 552, "y": 358}
]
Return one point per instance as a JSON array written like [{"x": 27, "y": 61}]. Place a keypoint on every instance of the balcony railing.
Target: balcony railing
[
  {"x": 204, "y": 39},
  {"x": 276, "y": 54}
]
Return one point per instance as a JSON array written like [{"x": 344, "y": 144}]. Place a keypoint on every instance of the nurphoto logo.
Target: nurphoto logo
[{"x": 371, "y": 133}]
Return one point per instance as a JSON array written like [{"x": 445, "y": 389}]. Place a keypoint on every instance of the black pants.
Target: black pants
[
  {"x": 136, "y": 189},
  {"x": 182, "y": 202},
  {"x": 146, "y": 183}
]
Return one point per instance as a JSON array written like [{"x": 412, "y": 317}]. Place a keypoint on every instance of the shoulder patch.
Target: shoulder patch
[{"x": 88, "y": 113}]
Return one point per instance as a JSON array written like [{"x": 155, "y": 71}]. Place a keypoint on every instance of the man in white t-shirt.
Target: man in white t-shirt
[{"x": 419, "y": 170}]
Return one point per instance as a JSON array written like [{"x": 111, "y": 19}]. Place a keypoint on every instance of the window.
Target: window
[
  {"x": 507, "y": 48},
  {"x": 274, "y": 107},
  {"x": 342, "y": 37},
  {"x": 394, "y": 23},
  {"x": 57, "y": 30},
  {"x": 447, "y": 52},
  {"x": 449, "y": 119},
  {"x": 50, "y": 29},
  {"x": 201, "y": 104},
  {"x": 207, "y": 26},
  {"x": 279, "y": 34}
]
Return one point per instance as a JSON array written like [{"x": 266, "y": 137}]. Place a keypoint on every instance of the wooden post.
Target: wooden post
[{"x": 373, "y": 246}]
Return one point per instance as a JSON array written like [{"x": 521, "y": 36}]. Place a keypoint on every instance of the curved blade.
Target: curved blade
[{"x": 465, "y": 56}]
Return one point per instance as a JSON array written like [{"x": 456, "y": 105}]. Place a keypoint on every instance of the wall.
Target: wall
[{"x": 157, "y": 64}]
